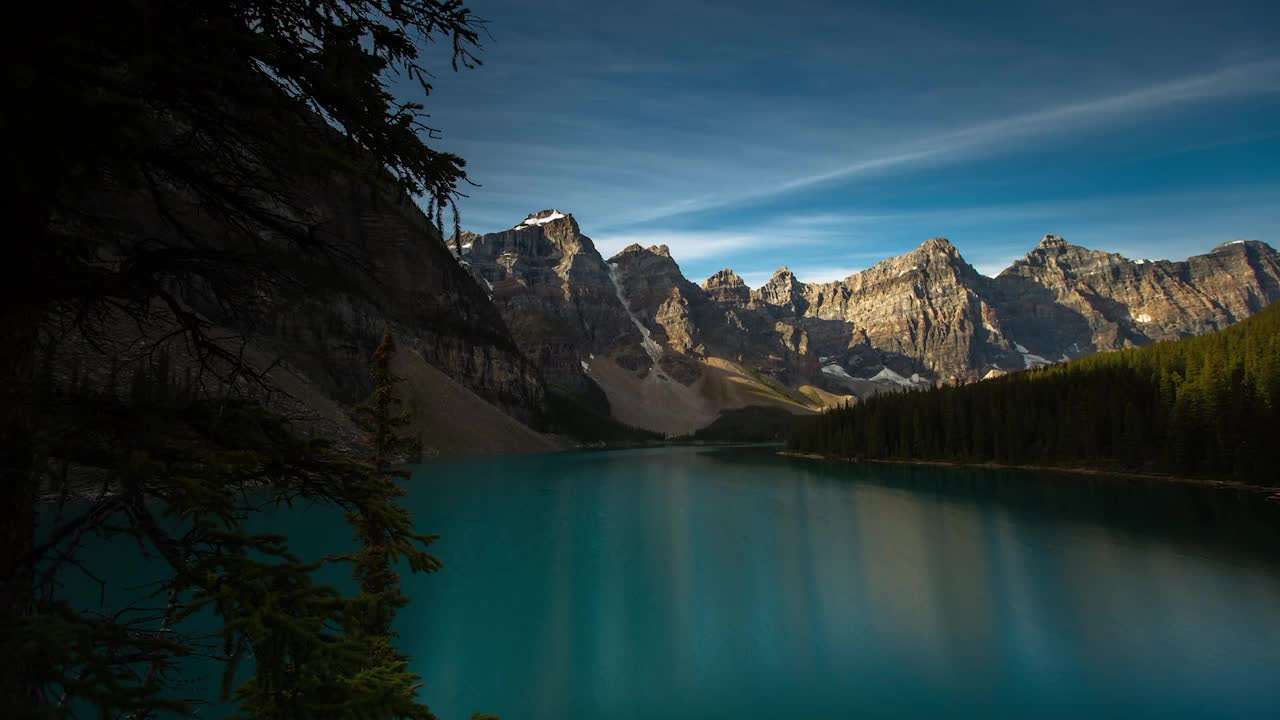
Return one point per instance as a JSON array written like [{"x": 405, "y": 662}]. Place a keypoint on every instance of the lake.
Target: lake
[
  {"x": 682, "y": 583},
  {"x": 731, "y": 583}
]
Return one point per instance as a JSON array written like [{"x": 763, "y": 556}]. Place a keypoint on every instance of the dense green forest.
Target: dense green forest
[{"x": 1207, "y": 407}]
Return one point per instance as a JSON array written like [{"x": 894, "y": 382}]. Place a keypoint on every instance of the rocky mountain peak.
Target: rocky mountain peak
[
  {"x": 654, "y": 262},
  {"x": 725, "y": 278},
  {"x": 1241, "y": 245},
  {"x": 1055, "y": 256},
  {"x": 727, "y": 286},
  {"x": 939, "y": 246},
  {"x": 782, "y": 291},
  {"x": 1053, "y": 242},
  {"x": 555, "y": 292}
]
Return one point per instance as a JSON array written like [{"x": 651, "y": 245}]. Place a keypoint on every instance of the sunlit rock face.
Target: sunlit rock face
[
  {"x": 782, "y": 295},
  {"x": 727, "y": 288},
  {"x": 659, "y": 297},
  {"x": 1063, "y": 299},
  {"x": 556, "y": 294},
  {"x": 921, "y": 318},
  {"x": 566, "y": 306},
  {"x": 927, "y": 311}
]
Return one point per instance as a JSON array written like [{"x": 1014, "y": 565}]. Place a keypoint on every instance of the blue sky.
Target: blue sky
[{"x": 828, "y": 135}]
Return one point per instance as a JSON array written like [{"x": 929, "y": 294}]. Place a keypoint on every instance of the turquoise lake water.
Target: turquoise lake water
[{"x": 683, "y": 583}]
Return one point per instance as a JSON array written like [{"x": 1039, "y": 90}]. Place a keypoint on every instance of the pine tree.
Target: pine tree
[
  {"x": 384, "y": 529},
  {"x": 169, "y": 111}
]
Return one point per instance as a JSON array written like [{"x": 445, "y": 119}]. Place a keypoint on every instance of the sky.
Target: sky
[{"x": 829, "y": 135}]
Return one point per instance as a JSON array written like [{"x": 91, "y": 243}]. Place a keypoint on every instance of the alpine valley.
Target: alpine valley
[{"x": 632, "y": 338}]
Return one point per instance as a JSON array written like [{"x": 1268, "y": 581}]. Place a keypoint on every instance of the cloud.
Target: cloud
[
  {"x": 823, "y": 273},
  {"x": 687, "y": 245},
  {"x": 702, "y": 252},
  {"x": 1171, "y": 225},
  {"x": 1253, "y": 78},
  {"x": 848, "y": 142}
]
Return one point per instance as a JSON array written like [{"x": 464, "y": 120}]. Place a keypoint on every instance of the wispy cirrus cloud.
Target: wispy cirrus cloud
[
  {"x": 804, "y": 273},
  {"x": 692, "y": 245},
  {"x": 827, "y": 245},
  {"x": 701, "y": 253},
  {"x": 602, "y": 171},
  {"x": 741, "y": 138},
  {"x": 1244, "y": 79}
]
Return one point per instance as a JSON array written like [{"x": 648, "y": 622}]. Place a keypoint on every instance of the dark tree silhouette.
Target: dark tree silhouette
[{"x": 157, "y": 148}]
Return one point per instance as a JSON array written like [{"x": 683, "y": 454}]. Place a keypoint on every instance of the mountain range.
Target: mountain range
[
  {"x": 534, "y": 340},
  {"x": 633, "y": 338}
]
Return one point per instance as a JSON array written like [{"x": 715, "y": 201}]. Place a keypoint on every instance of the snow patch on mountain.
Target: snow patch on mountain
[
  {"x": 834, "y": 369},
  {"x": 531, "y": 220},
  {"x": 1034, "y": 361},
  {"x": 887, "y": 375},
  {"x": 1029, "y": 359}
]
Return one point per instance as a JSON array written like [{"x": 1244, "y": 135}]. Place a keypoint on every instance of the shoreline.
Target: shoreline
[{"x": 1272, "y": 492}]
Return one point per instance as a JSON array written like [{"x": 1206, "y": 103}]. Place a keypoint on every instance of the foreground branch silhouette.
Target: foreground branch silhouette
[{"x": 160, "y": 148}]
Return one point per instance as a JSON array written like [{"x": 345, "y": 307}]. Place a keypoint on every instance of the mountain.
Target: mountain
[
  {"x": 1062, "y": 299},
  {"x": 535, "y": 332},
  {"x": 310, "y": 321},
  {"x": 671, "y": 355},
  {"x": 927, "y": 312},
  {"x": 557, "y": 296},
  {"x": 1206, "y": 406},
  {"x": 659, "y": 351}
]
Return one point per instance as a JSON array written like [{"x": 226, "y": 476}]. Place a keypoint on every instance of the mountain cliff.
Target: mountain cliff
[
  {"x": 1063, "y": 299},
  {"x": 310, "y": 321},
  {"x": 670, "y": 354},
  {"x": 557, "y": 295},
  {"x": 667, "y": 354},
  {"x": 534, "y": 324},
  {"x": 927, "y": 311}
]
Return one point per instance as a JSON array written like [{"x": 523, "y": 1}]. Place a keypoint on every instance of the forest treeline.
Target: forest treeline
[{"x": 1205, "y": 406}]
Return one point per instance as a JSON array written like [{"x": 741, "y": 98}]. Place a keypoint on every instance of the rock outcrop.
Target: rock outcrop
[
  {"x": 727, "y": 288},
  {"x": 783, "y": 295},
  {"x": 557, "y": 296},
  {"x": 927, "y": 311},
  {"x": 667, "y": 353},
  {"x": 636, "y": 327},
  {"x": 330, "y": 325},
  {"x": 1063, "y": 299},
  {"x": 310, "y": 320}
]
